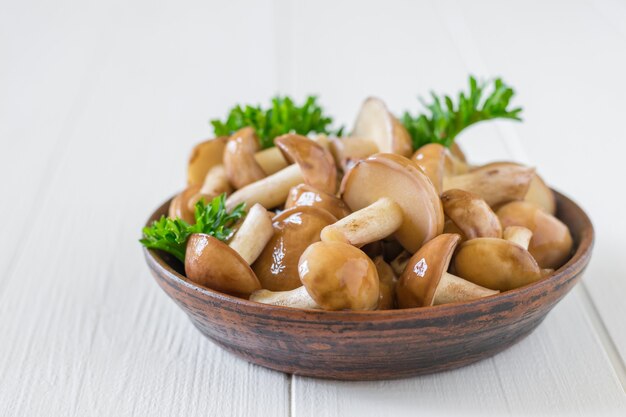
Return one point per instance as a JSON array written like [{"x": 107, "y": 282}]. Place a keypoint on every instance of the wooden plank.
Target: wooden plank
[
  {"x": 85, "y": 329},
  {"x": 544, "y": 373}
]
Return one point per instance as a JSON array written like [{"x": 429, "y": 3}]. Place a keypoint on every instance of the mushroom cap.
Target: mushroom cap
[
  {"x": 541, "y": 195},
  {"x": 339, "y": 276},
  {"x": 204, "y": 156},
  {"x": 348, "y": 150},
  {"x": 316, "y": 163},
  {"x": 471, "y": 214},
  {"x": 180, "y": 207},
  {"x": 294, "y": 230},
  {"x": 496, "y": 264},
  {"x": 551, "y": 243},
  {"x": 431, "y": 158},
  {"x": 239, "y": 162},
  {"x": 212, "y": 263},
  {"x": 376, "y": 123},
  {"x": 305, "y": 195},
  {"x": 387, "y": 284},
  {"x": 401, "y": 180},
  {"x": 419, "y": 281}
]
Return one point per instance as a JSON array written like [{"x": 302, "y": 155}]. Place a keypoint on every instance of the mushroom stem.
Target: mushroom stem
[
  {"x": 347, "y": 151},
  {"x": 374, "y": 222},
  {"x": 452, "y": 289},
  {"x": 215, "y": 183},
  {"x": 270, "y": 192},
  {"x": 253, "y": 234},
  {"x": 270, "y": 160},
  {"x": 518, "y": 234},
  {"x": 298, "y": 298}
]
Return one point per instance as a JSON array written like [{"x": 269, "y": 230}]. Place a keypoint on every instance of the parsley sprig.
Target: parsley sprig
[
  {"x": 445, "y": 119},
  {"x": 283, "y": 116},
  {"x": 171, "y": 235}
]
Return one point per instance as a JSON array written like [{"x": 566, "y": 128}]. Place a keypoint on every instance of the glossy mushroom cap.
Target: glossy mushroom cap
[
  {"x": 294, "y": 230},
  {"x": 426, "y": 282},
  {"x": 339, "y": 276},
  {"x": 551, "y": 242},
  {"x": 305, "y": 195},
  {"x": 421, "y": 276},
  {"x": 471, "y": 214},
  {"x": 431, "y": 158},
  {"x": 316, "y": 163},
  {"x": 239, "y": 161},
  {"x": 204, "y": 156},
  {"x": 496, "y": 263},
  {"x": 376, "y": 123},
  {"x": 180, "y": 207},
  {"x": 213, "y": 264},
  {"x": 387, "y": 284},
  {"x": 402, "y": 181}
]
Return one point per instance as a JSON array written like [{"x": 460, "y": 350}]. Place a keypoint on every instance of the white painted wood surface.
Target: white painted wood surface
[{"x": 100, "y": 103}]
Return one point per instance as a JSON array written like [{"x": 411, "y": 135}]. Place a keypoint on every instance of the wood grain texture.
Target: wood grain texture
[{"x": 84, "y": 331}]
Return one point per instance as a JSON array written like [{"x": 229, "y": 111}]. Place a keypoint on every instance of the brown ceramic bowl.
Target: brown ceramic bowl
[{"x": 374, "y": 344}]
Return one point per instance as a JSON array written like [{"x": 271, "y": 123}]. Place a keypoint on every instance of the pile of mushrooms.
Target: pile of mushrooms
[{"x": 363, "y": 223}]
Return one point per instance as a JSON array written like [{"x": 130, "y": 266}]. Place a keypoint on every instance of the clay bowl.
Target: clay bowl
[{"x": 377, "y": 344}]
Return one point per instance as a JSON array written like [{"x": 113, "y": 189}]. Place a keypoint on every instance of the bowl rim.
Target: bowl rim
[{"x": 571, "y": 268}]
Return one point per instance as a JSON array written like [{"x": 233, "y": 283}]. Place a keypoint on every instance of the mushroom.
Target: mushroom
[
  {"x": 376, "y": 123},
  {"x": 271, "y": 160},
  {"x": 496, "y": 183},
  {"x": 426, "y": 282},
  {"x": 387, "y": 284},
  {"x": 431, "y": 159},
  {"x": 551, "y": 242},
  {"x": 305, "y": 195},
  {"x": 204, "y": 156},
  {"x": 215, "y": 183},
  {"x": 334, "y": 276},
  {"x": 499, "y": 264},
  {"x": 179, "y": 206},
  {"x": 314, "y": 166},
  {"x": 294, "y": 230},
  {"x": 399, "y": 263},
  {"x": 226, "y": 268},
  {"x": 239, "y": 162},
  {"x": 471, "y": 214},
  {"x": 315, "y": 161},
  {"x": 348, "y": 150},
  {"x": 339, "y": 276},
  {"x": 390, "y": 195},
  {"x": 541, "y": 195}
]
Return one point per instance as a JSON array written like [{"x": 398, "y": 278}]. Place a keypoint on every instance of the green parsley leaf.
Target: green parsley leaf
[
  {"x": 171, "y": 235},
  {"x": 283, "y": 116},
  {"x": 447, "y": 119}
]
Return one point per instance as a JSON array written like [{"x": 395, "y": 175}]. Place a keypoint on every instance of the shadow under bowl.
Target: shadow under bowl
[{"x": 374, "y": 345}]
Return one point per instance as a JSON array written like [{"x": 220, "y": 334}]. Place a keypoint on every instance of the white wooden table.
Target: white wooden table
[{"x": 100, "y": 103}]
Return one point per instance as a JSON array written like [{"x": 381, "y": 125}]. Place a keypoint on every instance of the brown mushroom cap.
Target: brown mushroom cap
[
  {"x": 204, "y": 156},
  {"x": 294, "y": 230},
  {"x": 551, "y": 242},
  {"x": 316, "y": 163},
  {"x": 401, "y": 180},
  {"x": 180, "y": 207},
  {"x": 239, "y": 161},
  {"x": 339, "y": 276},
  {"x": 496, "y": 263},
  {"x": 213, "y": 264},
  {"x": 471, "y": 214},
  {"x": 431, "y": 158},
  {"x": 305, "y": 195},
  {"x": 376, "y": 123},
  {"x": 541, "y": 195},
  {"x": 421, "y": 276}
]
